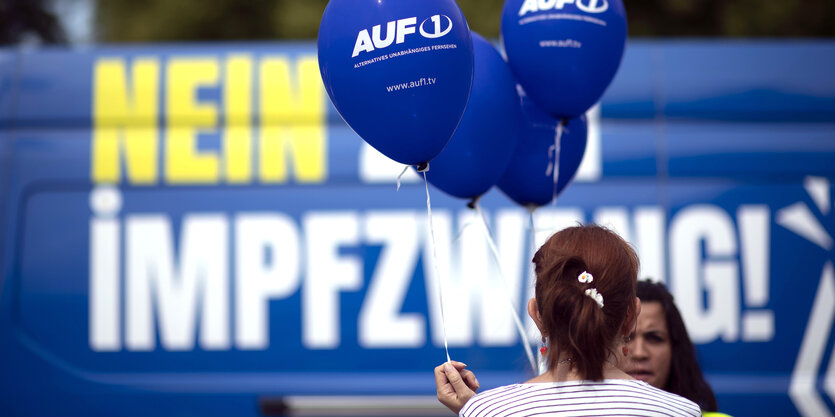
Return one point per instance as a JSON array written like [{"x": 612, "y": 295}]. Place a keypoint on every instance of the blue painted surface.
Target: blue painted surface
[{"x": 697, "y": 133}]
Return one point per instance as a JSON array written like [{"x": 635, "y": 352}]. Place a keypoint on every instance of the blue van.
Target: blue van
[{"x": 192, "y": 230}]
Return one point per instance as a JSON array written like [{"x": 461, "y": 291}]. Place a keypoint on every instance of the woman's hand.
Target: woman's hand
[{"x": 455, "y": 385}]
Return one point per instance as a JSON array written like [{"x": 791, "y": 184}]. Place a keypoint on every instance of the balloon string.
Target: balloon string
[
  {"x": 532, "y": 230},
  {"x": 514, "y": 312},
  {"x": 406, "y": 168},
  {"x": 532, "y": 233},
  {"x": 557, "y": 144},
  {"x": 463, "y": 229},
  {"x": 435, "y": 265}
]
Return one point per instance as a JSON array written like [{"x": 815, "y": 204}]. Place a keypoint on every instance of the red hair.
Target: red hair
[{"x": 576, "y": 325}]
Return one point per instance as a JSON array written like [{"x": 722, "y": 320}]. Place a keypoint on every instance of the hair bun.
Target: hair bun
[{"x": 565, "y": 270}]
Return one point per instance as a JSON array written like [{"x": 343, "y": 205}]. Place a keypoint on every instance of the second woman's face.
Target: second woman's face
[{"x": 650, "y": 350}]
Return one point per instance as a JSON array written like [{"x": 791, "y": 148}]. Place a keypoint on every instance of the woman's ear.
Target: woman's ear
[
  {"x": 631, "y": 322},
  {"x": 533, "y": 311}
]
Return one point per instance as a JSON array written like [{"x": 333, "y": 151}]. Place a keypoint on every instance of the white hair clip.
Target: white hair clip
[
  {"x": 585, "y": 278},
  {"x": 596, "y": 296}
]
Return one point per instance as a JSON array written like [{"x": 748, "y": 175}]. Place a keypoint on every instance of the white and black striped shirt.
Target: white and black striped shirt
[{"x": 610, "y": 397}]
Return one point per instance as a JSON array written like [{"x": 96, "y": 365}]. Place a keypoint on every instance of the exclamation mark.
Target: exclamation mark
[
  {"x": 104, "y": 302},
  {"x": 755, "y": 238}
]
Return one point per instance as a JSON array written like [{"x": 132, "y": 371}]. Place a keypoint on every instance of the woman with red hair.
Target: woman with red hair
[{"x": 585, "y": 308}]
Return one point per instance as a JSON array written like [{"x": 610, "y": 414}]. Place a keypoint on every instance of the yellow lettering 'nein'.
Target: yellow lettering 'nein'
[
  {"x": 186, "y": 117},
  {"x": 208, "y": 123},
  {"x": 237, "y": 136},
  {"x": 125, "y": 121}
]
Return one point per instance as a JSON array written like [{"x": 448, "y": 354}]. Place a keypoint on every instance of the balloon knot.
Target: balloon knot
[
  {"x": 473, "y": 203},
  {"x": 423, "y": 167}
]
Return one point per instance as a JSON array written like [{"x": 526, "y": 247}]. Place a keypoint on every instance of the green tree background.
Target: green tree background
[{"x": 194, "y": 20}]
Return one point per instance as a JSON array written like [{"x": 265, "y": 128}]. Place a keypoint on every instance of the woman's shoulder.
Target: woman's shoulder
[
  {"x": 502, "y": 393},
  {"x": 675, "y": 402},
  {"x": 628, "y": 391}
]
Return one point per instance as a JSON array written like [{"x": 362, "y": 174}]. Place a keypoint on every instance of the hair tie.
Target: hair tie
[
  {"x": 586, "y": 278},
  {"x": 596, "y": 296}
]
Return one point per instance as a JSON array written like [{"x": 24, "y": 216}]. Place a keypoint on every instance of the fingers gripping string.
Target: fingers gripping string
[
  {"x": 514, "y": 312},
  {"x": 435, "y": 263}
]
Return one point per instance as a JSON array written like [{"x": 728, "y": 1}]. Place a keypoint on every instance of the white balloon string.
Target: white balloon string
[
  {"x": 406, "y": 168},
  {"x": 532, "y": 252},
  {"x": 532, "y": 230},
  {"x": 463, "y": 229},
  {"x": 557, "y": 143},
  {"x": 511, "y": 305},
  {"x": 435, "y": 265}
]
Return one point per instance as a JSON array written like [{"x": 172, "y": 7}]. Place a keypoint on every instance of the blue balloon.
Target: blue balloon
[
  {"x": 398, "y": 71},
  {"x": 481, "y": 148},
  {"x": 528, "y": 180},
  {"x": 565, "y": 53}
]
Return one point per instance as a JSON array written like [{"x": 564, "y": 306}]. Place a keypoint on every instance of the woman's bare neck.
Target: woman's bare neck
[{"x": 564, "y": 373}]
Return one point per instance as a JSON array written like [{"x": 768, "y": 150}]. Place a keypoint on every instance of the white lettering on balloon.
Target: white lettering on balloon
[
  {"x": 588, "y": 6},
  {"x": 433, "y": 27}
]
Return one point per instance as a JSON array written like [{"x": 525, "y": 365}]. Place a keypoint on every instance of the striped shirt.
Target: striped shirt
[{"x": 610, "y": 397}]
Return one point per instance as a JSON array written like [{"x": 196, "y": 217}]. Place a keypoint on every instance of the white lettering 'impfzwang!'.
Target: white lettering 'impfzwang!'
[{"x": 397, "y": 30}]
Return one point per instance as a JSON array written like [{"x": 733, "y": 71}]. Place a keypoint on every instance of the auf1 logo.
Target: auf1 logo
[
  {"x": 437, "y": 27},
  {"x": 588, "y": 6},
  {"x": 397, "y": 30}
]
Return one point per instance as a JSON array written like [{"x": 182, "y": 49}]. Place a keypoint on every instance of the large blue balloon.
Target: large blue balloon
[
  {"x": 528, "y": 180},
  {"x": 565, "y": 53},
  {"x": 481, "y": 148},
  {"x": 398, "y": 71}
]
